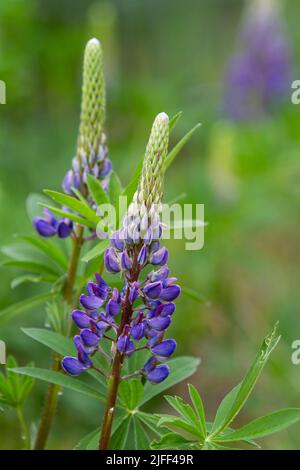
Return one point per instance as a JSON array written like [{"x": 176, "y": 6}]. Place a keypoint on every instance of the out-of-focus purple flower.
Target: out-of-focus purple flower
[
  {"x": 48, "y": 225},
  {"x": 260, "y": 72}
]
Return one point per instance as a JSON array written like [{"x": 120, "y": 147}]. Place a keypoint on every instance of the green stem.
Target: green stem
[
  {"x": 23, "y": 429},
  {"x": 53, "y": 390}
]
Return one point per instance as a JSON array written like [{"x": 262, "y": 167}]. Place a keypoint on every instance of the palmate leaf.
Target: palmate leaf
[
  {"x": 141, "y": 437},
  {"x": 61, "y": 379},
  {"x": 238, "y": 399},
  {"x": 130, "y": 393},
  {"x": 20, "y": 307},
  {"x": 74, "y": 204},
  {"x": 130, "y": 418},
  {"x": 264, "y": 426},
  {"x": 119, "y": 437}
]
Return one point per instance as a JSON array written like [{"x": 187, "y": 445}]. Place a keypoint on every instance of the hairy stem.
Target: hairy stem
[{"x": 53, "y": 390}]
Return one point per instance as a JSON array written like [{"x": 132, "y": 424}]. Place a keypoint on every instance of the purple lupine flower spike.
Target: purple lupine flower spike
[
  {"x": 137, "y": 316},
  {"x": 259, "y": 74}
]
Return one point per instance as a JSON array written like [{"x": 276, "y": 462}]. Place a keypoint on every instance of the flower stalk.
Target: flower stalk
[
  {"x": 145, "y": 304},
  {"x": 91, "y": 158}
]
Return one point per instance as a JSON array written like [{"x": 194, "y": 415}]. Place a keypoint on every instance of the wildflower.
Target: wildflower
[
  {"x": 92, "y": 153},
  {"x": 48, "y": 225},
  {"x": 140, "y": 313},
  {"x": 259, "y": 73}
]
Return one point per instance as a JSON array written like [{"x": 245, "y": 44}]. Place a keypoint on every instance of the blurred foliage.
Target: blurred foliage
[{"x": 171, "y": 56}]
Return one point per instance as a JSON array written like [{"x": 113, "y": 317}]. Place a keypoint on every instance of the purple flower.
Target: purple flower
[
  {"x": 81, "y": 319},
  {"x": 164, "y": 349},
  {"x": 73, "y": 366},
  {"x": 89, "y": 338},
  {"x": 111, "y": 261},
  {"x": 142, "y": 256},
  {"x": 91, "y": 302},
  {"x": 160, "y": 323},
  {"x": 159, "y": 374},
  {"x": 48, "y": 225},
  {"x": 259, "y": 74},
  {"x": 170, "y": 293},
  {"x": 160, "y": 257},
  {"x": 153, "y": 290},
  {"x": 125, "y": 261}
]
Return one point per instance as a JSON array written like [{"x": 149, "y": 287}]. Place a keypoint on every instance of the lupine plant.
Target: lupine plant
[{"x": 111, "y": 299}]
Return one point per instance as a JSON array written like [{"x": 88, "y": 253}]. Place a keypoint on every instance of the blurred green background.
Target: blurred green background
[{"x": 162, "y": 55}]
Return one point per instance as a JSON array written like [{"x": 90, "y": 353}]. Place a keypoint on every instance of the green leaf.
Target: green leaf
[
  {"x": 174, "y": 152},
  {"x": 173, "y": 121},
  {"x": 193, "y": 294},
  {"x": 150, "y": 421},
  {"x": 171, "y": 441},
  {"x": 178, "y": 425},
  {"x": 34, "y": 278},
  {"x": 13, "y": 310},
  {"x": 224, "y": 408},
  {"x": 130, "y": 393},
  {"x": 119, "y": 438},
  {"x": 114, "y": 189},
  {"x": 48, "y": 248},
  {"x": 91, "y": 440},
  {"x": 264, "y": 426},
  {"x": 70, "y": 216},
  {"x": 90, "y": 437},
  {"x": 33, "y": 201},
  {"x": 61, "y": 345},
  {"x": 96, "y": 251},
  {"x": 58, "y": 343},
  {"x": 80, "y": 196},
  {"x": 132, "y": 185},
  {"x": 184, "y": 409},
  {"x": 180, "y": 369},
  {"x": 199, "y": 408},
  {"x": 141, "y": 438},
  {"x": 95, "y": 187},
  {"x": 32, "y": 267},
  {"x": 61, "y": 379},
  {"x": 74, "y": 204},
  {"x": 249, "y": 381}
]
